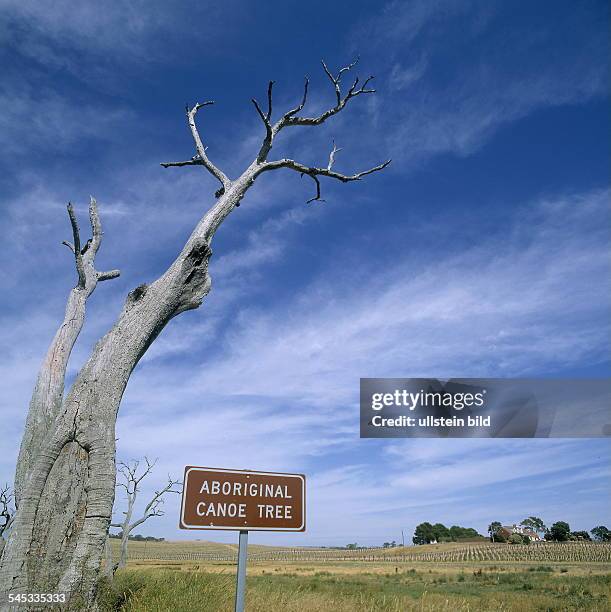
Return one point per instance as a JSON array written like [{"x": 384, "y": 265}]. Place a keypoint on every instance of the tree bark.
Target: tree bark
[{"x": 108, "y": 562}]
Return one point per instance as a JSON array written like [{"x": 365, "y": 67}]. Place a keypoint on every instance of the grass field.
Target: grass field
[{"x": 374, "y": 582}]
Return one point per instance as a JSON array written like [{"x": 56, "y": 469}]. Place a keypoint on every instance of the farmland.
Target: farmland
[
  {"x": 439, "y": 553},
  {"x": 199, "y": 576}
]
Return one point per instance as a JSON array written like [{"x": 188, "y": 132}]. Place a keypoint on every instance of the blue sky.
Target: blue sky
[{"x": 481, "y": 251}]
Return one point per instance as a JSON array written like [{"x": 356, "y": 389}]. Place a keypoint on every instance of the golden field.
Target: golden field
[{"x": 460, "y": 577}]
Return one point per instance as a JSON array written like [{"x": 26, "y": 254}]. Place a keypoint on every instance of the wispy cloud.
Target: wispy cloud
[
  {"x": 126, "y": 31},
  {"x": 422, "y": 316},
  {"x": 403, "y": 76},
  {"x": 495, "y": 79},
  {"x": 39, "y": 119},
  {"x": 461, "y": 118}
]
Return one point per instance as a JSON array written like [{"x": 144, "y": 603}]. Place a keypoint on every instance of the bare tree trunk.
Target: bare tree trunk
[
  {"x": 109, "y": 569},
  {"x": 131, "y": 500},
  {"x": 65, "y": 477}
]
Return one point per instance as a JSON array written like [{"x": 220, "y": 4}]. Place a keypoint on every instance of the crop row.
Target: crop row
[{"x": 552, "y": 552}]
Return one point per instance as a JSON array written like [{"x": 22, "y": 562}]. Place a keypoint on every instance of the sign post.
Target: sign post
[
  {"x": 240, "y": 586},
  {"x": 242, "y": 500}
]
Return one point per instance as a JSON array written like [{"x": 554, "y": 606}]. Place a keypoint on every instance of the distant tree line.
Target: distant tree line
[
  {"x": 426, "y": 533},
  {"x": 137, "y": 537}
]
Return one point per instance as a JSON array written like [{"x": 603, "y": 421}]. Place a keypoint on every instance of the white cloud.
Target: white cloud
[
  {"x": 34, "y": 120},
  {"x": 497, "y": 309},
  {"x": 402, "y": 22},
  {"x": 462, "y": 117},
  {"x": 492, "y": 75},
  {"x": 401, "y": 76},
  {"x": 129, "y": 30}
]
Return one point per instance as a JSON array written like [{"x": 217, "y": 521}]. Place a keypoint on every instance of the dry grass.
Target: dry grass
[
  {"x": 347, "y": 568},
  {"x": 445, "y": 577},
  {"x": 365, "y": 587}
]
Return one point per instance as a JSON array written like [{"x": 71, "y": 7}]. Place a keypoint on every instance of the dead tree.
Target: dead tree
[
  {"x": 7, "y": 511},
  {"x": 130, "y": 477},
  {"x": 65, "y": 477}
]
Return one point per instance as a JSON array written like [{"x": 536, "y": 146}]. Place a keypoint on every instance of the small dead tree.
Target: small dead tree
[
  {"x": 65, "y": 476},
  {"x": 130, "y": 477},
  {"x": 7, "y": 511}
]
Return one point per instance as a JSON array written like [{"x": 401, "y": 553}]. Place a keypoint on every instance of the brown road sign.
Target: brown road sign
[{"x": 241, "y": 499}]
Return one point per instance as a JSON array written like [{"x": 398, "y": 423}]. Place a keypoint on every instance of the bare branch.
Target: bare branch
[
  {"x": 300, "y": 106},
  {"x": 269, "y": 134},
  {"x": 109, "y": 275},
  {"x": 189, "y": 162},
  {"x": 263, "y": 117},
  {"x": 152, "y": 508},
  {"x": 77, "y": 247},
  {"x": 201, "y": 159},
  {"x": 85, "y": 255},
  {"x": 315, "y": 172},
  {"x": 336, "y": 80},
  {"x": 96, "y": 226},
  {"x": 7, "y": 508},
  {"x": 341, "y": 102},
  {"x": 332, "y": 156},
  {"x": 149, "y": 468},
  {"x": 132, "y": 474},
  {"x": 317, "y": 196},
  {"x": 291, "y": 118},
  {"x": 269, "y": 100}
]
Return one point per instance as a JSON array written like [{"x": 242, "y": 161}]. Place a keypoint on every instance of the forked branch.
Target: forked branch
[
  {"x": 131, "y": 474},
  {"x": 314, "y": 172},
  {"x": 341, "y": 99},
  {"x": 84, "y": 257},
  {"x": 48, "y": 391},
  {"x": 76, "y": 247},
  {"x": 201, "y": 157},
  {"x": 154, "y": 507},
  {"x": 269, "y": 134}
]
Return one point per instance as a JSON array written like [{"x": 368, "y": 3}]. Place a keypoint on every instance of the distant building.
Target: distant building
[{"x": 508, "y": 530}]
